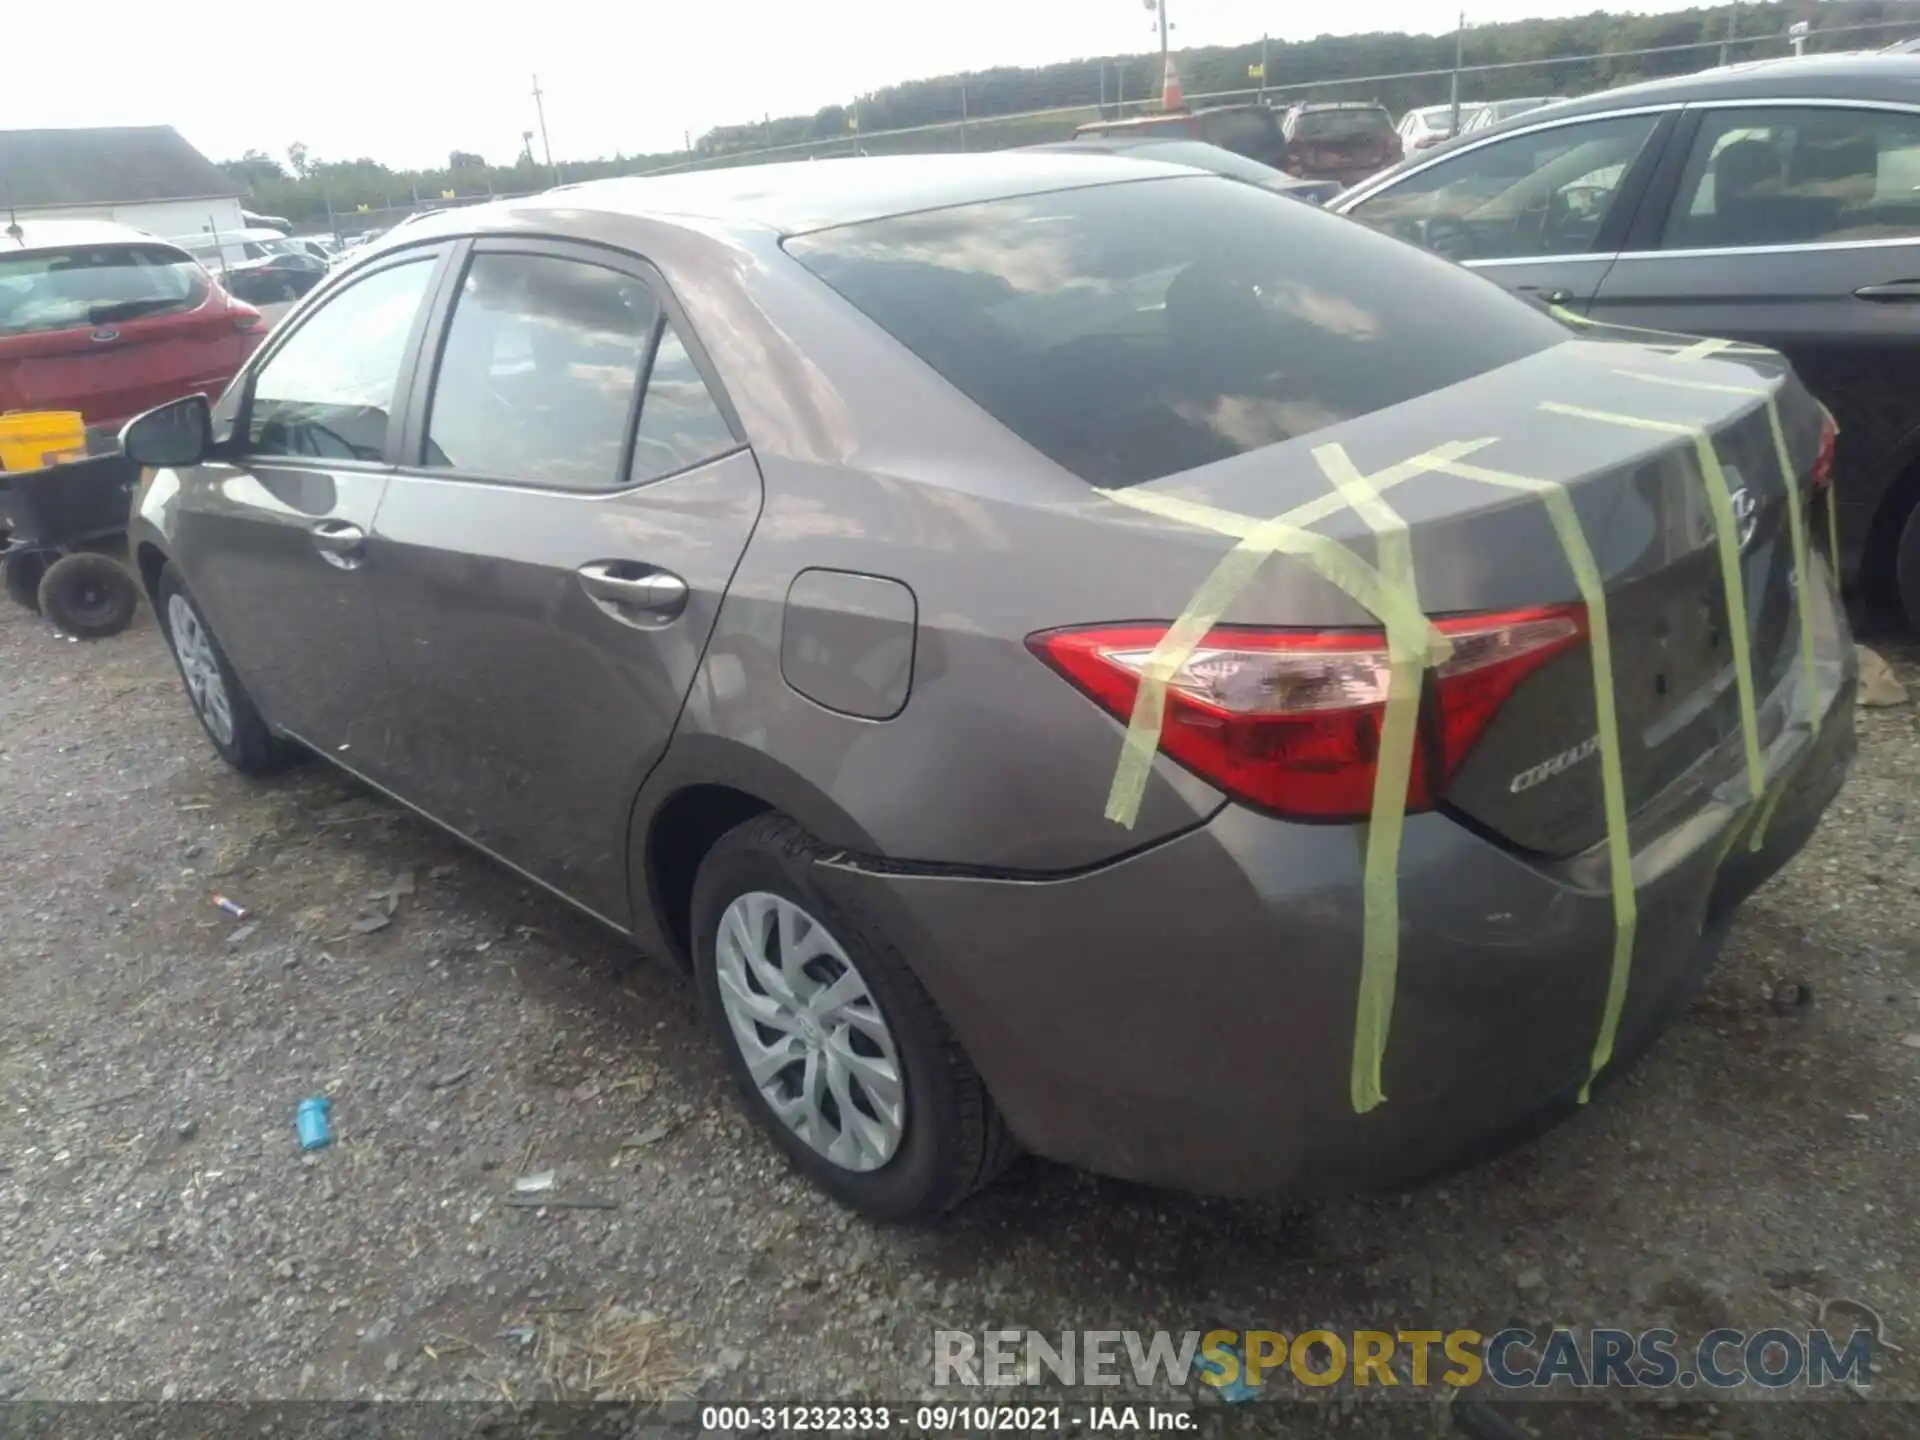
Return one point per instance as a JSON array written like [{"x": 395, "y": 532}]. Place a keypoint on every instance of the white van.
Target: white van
[{"x": 217, "y": 250}]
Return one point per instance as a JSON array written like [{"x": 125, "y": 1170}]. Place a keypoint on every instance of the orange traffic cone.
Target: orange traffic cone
[{"x": 1170, "y": 97}]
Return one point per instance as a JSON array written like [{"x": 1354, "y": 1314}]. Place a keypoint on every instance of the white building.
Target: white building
[{"x": 145, "y": 176}]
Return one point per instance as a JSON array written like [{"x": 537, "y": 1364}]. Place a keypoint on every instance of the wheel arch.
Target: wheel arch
[
  {"x": 149, "y": 560},
  {"x": 704, "y": 787}
]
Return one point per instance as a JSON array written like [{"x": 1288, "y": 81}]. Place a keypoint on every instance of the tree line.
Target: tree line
[{"x": 988, "y": 109}]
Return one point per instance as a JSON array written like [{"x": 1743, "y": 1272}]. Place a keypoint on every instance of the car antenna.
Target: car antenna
[{"x": 14, "y": 232}]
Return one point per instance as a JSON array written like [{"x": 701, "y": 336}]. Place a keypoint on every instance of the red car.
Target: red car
[
  {"x": 1343, "y": 140},
  {"x": 107, "y": 320}
]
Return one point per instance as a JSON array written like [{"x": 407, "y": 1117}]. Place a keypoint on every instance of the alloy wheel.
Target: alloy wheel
[
  {"x": 813, "y": 1037},
  {"x": 193, "y": 647}
]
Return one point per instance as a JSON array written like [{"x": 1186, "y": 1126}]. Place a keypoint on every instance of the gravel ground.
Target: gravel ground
[{"x": 162, "y": 1235}]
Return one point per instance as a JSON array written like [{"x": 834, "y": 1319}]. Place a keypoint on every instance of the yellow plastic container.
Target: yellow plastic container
[{"x": 32, "y": 439}]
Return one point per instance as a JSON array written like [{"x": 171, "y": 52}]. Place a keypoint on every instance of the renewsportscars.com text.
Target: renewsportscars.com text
[{"x": 1599, "y": 1358}]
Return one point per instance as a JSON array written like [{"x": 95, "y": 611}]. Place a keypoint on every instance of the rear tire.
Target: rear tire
[
  {"x": 225, "y": 710},
  {"x": 942, "y": 1140},
  {"x": 88, "y": 595},
  {"x": 22, "y": 572}
]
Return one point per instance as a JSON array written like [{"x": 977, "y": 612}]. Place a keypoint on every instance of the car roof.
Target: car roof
[
  {"x": 62, "y": 234},
  {"x": 1110, "y": 144},
  {"x": 1339, "y": 105},
  {"x": 798, "y": 196}
]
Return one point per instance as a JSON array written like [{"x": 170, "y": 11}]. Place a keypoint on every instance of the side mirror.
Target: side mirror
[{"x": 175, "y": 434}]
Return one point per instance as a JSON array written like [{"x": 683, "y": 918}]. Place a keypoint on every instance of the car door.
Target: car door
[
  {"x": 554, "y": 554},
  {"x": 272, "y": 537},
  {"x": 1539, "y": 211},
  {"x": 1796, "y": 225}
]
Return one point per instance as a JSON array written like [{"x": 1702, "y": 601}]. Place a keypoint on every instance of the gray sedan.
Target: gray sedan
[{"x": 1091, "y": 657}]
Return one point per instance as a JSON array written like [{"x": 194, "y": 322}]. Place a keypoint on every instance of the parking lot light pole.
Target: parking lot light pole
[{"x": 1459, "y": 48}]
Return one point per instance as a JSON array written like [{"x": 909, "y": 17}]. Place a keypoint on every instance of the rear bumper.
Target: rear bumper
[{"x": 1186, "y": 1016}]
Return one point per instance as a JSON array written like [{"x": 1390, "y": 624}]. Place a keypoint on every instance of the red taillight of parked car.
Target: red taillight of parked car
[
  {"x": 1822, "y": 473},
  {"x": 1289, "y": 720}
]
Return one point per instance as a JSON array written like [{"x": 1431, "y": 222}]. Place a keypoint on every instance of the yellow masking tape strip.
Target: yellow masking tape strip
[
  {"x": 1284, "y": 534},
  {"x": 1765, "y": 818},
  {"x": 1613, "y": 787},
  {"x": 1393, "y": 769},
  {"x": 1726, "y": 533},
  {"x": 1796, "y": 522}
]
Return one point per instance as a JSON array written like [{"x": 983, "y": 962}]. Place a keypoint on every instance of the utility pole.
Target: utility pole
[
  {"x": 1103, "y": 90},
  {"x": 1726, "y": 44},
  {"x": 1263, "y": 69},
  {"x": 540, "y": 110},
  {"x": 1459, "y": 50},
  {"x": 963, "y": 112},
  {"x": 1161, "y": 7}
]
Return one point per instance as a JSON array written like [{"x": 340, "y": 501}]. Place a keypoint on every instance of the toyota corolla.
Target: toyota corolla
[{"x": 1098, "y": 659}]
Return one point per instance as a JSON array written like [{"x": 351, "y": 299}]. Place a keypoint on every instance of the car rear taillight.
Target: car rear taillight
[
  {"x": 1822, "y": 473},
  {"x": 1289, "y": 720}
]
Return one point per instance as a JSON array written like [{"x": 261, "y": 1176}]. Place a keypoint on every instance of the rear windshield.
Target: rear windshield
[
  {"x": 1341, "y": 124},
  {"x": 1136, "y": 330},
  {"x": 94, "y": 285}
]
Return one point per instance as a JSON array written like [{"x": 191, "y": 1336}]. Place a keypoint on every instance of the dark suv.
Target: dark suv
[
  {"x": 1344, "y": 140},
  {"x": 1249, "y": 130}
]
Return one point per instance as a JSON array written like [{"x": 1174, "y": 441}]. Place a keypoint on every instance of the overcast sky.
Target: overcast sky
[{"x": 405, "y": 81}]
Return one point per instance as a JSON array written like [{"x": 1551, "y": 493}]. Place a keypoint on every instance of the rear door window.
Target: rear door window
[
  {"x": 1135, "y": 330},
  {"x": 1816, "y": 175},
  {"x": 90, "y": 286},
  {"x": 328, "y": 391}
]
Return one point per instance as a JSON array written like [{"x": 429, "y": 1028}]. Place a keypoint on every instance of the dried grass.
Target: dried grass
[{"x": 616, "y": 1354}]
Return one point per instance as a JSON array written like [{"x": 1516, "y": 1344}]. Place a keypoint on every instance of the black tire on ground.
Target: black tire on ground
[
  {"x": 252, "y": 748},
  {"x": 1907, "y": 569},
  {"x": 954, "y": 1141},
  {"x": 22, "y": 574},
  {"x": 89, "y": 595}
]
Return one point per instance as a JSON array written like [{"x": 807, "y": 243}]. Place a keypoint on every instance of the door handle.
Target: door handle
[
  {"x": 1892, "y": 290},
  {"x": 636, "y": 594},
  {"x": 1552, "y": 297},
  {"x": 338, "y": 542}
]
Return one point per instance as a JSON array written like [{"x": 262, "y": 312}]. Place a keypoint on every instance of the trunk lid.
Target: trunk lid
[{"x": 1620, "y": 451}]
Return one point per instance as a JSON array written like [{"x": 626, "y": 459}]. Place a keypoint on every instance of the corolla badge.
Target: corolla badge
[{"x": 1547, "y": 769}]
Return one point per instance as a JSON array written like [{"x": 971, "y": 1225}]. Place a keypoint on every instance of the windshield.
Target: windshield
[
  {"x": 95, "y": 285},
  {"x": 1135, "y": 330},
  {"x": 1341, "y": 125}
]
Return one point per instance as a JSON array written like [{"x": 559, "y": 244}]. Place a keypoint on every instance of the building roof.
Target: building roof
[{"x": 118, "y": 165}]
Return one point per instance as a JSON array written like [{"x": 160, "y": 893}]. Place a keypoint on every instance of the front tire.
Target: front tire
[
  {"x": 22, "y": 571},
  {"x": 1906, "y": 572},
  {"x": 838, "y": 1052},
  {"x": 225, "y": 710}
]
